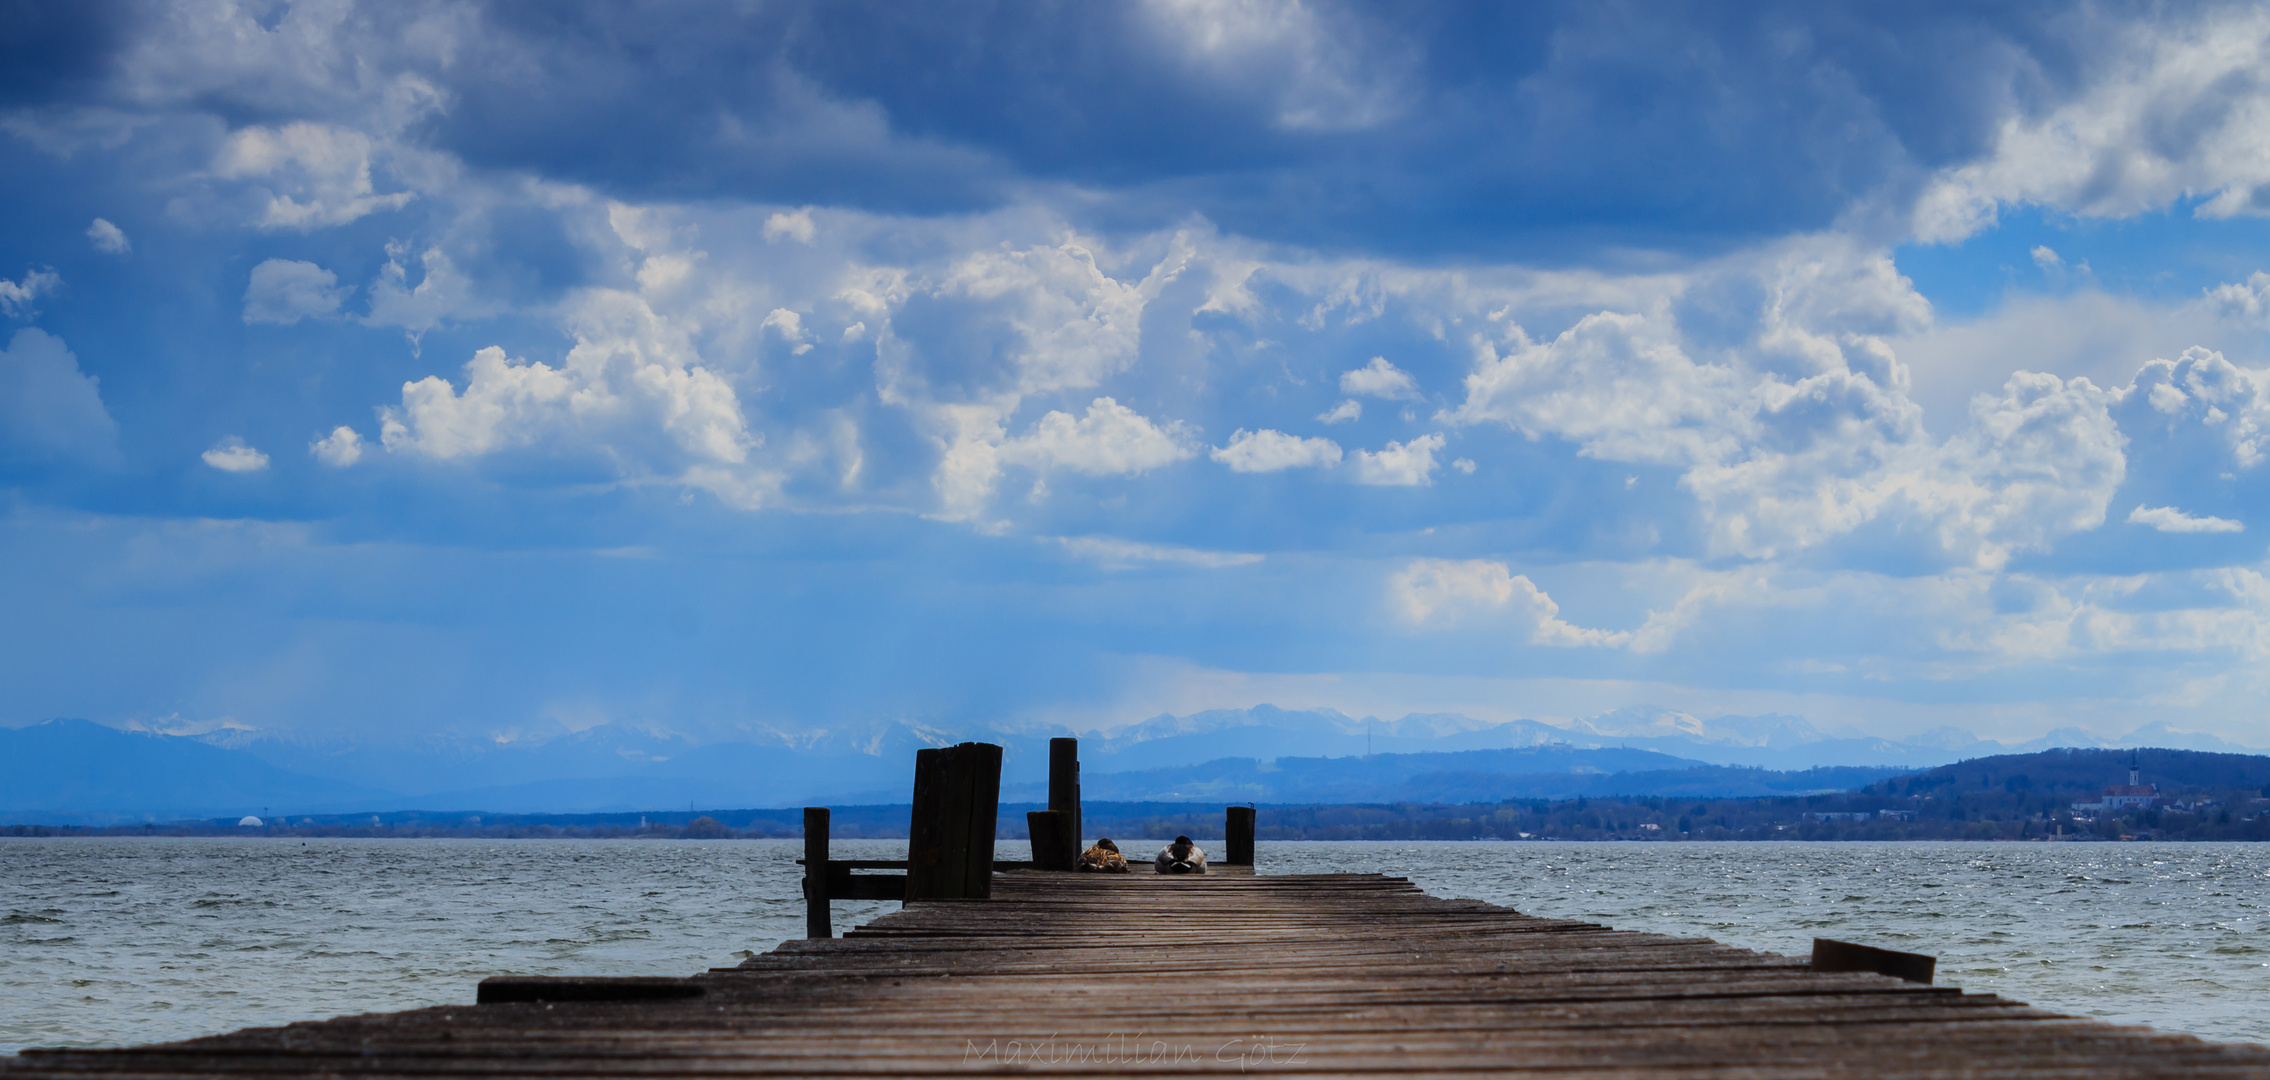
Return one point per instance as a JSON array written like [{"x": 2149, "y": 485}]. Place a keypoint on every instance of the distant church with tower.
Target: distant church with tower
[{"x": 2134, "y": 793}]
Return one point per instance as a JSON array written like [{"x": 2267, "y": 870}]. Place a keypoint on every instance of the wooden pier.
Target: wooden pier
[
  {"x": 996, "y": 968},
  {"x": 1345, "y": 974}
]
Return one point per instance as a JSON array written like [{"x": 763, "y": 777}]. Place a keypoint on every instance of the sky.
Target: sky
[{"x": 408, "y": 369}]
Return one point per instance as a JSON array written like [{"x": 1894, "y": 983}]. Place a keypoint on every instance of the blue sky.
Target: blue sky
[{"x": 409, "y": 369}]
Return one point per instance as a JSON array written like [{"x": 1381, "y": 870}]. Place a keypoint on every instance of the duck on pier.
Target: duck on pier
[
  {"x": 1181, "y": 857},
  {"x": 1104, "y": 858}
]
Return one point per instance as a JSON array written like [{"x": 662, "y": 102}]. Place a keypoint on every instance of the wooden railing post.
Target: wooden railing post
[
  {"x": 1237, "y": 837},
  {"x": 816, "y": 924},
  {"x": 957, "y": 801},
  {"x": 1064, "y": 796}
]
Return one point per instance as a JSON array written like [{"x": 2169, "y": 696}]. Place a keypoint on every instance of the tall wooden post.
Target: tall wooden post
[
  {"x": 957, "y": 800},
  {"x": 1064, "y": 794},
  {"x": 816, "y": 923},
  {"x": 1237, "y": 837}
]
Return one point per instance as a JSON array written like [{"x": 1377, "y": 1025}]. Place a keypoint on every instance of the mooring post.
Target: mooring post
[
  {"x": 816, "y": 924},
  {"x": 957, "y": 801},
  {"x": 1237, "y": 837},
  {"x": 1064, "y": 795}
]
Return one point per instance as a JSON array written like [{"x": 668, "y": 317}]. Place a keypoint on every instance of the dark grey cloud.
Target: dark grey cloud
[
  {"x": 1425, "y": 131},
  {"x": 1429, "y": 130}
]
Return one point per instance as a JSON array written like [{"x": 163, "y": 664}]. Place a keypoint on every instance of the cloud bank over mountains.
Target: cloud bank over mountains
[{"x": 464, "y": 369}]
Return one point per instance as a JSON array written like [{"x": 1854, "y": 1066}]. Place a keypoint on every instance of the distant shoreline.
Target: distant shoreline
[
  {"x": 2059, "y": 795},
  {"x": 1626, "y": 820}
]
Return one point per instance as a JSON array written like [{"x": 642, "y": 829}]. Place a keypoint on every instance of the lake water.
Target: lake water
[{"x": 114, "y": 941}]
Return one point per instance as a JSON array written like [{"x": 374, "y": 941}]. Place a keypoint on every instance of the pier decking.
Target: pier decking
[{"x": 1140, "y": 974}]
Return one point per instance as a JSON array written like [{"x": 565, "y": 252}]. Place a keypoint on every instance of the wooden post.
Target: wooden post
[
  {"x": 1237, "y": 837},
  {"x": 957, "y": 799},
  {"x": 1064, "y": 795},
  {"x": 1052, "y": 839},
  {"x": 816, "y": 924}
]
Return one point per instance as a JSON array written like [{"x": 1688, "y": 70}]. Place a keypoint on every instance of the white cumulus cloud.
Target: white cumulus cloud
[
  {"x": 49, "y": 409},
  {"x": 1110, "y": 439},
  {"x": 1379, "y": 379},
  {"x": 1620, "y": 385},
  {"x": 790, "y": 326},
  {"x": 1447, "y": 592},
  {"x": 341, "y": 448},
  {"x": 232, "y": 455},
  {"x": 1805, "y": 432},
  {"x": 313, "y": 175},
  {"x": 1399, "y": 464},
  {"x": 505, "y": 402},
  {"x": 284, "y": 291},
  {"x": 2201, "y": 387},
  {"x": 1050, "y": 319},
  {"x": 795, "y": 226},
  {"x": 16, "y": 297},
  {"x": 442, "y": 291},
  {"x": 2246, "y": 301},
  {"x": 1268, "y": 450},
  {"x": 631, "y": 387},
  {"x": 2168, "y": 519},
  {"x": 2183, "y": 111},
  {"x": 1350, "y": 409},
  {"x": 109, "y": 238}
]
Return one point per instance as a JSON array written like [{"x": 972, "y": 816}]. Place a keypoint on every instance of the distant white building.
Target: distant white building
[{"x": 2124, "y": 795}]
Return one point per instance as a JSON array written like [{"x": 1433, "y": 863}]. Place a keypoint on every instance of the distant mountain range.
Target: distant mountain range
[
  {"x": 74, "y": 771},
  {"x": 1465, "y": 776}
]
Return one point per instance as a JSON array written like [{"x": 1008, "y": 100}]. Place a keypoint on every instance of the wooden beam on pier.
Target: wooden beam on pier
[{"x": 1232, "y": 975}]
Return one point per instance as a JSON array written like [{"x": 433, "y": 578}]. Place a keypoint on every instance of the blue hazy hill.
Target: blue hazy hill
[{"x": 75, "y": 770}]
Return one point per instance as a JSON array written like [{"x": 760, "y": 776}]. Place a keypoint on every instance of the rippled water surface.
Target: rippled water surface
[{"x": 113, "y": 941}]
